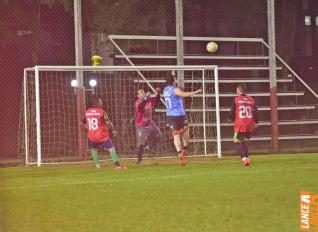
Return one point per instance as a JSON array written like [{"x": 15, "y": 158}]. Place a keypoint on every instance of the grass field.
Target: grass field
[{"x": 207, "y": 195}]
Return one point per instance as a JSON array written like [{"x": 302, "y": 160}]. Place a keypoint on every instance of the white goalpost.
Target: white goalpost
[{"x": 50, "y": 119}]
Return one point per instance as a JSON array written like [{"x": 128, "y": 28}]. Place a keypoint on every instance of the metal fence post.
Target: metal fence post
[
  {"x": 272, "y": 73},
  {"x": 179, "y": 35},
  {"x": 79, "y": 75}
]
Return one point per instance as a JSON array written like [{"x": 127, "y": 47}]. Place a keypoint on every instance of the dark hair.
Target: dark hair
[
  {"x": 170, "y": 79},
  {"x": 93, "y": 101},
  {"x": 242, "y": 88}
]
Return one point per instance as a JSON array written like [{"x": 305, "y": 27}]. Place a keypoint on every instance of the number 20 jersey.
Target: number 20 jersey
[
  {"x": 244, "y": 113},
  {"x": 97, "y": 129}
]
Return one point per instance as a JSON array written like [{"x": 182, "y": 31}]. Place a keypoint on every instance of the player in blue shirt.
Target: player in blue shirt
[{"x": 176, "y": 117}]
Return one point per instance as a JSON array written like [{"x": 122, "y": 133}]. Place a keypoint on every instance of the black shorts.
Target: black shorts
[
  {"x": 242, "y": 136},
  {"x": 177, "y": 122}
]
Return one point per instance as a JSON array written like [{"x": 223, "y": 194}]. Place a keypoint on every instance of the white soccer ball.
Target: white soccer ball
[{"x": 212, "y": 47}]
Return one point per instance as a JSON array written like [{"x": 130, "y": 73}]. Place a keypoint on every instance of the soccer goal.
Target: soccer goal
[{"x": 54, "y": 100}]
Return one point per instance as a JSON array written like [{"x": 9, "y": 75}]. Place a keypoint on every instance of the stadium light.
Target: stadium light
[
  {"x": 317, "y": 21},
  {"x": 93, "y": 83},
  {"x": 74, "y": 83},
  {"x": 307, "y": 20}
]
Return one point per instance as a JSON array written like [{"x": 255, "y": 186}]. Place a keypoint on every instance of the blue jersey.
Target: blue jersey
[{"x": 174, "y": 104}]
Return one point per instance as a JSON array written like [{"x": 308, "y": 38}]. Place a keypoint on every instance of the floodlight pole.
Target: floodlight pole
[
  {"x": 179, "y": 35},
  {"x": 80, "y": 99},
  {"x": 272, "y": 73}
]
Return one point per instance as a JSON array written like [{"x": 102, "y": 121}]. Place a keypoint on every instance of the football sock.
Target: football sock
[
  {"x": 177, "y": 142},
  {"x": 140, "y": 151},
  {"x": 95, "y": 156},
  {"x": 245, "y": 149},
  {"x": 114, "y": 156},
  {"x": 239, "y": 149},
  {"x": 185, "y": 136}
]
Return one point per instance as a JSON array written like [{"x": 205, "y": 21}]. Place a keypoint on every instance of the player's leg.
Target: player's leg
[
  {"x": 154, "y": 138},
  {"x": 175, "y": 127},
  {"x": 185, "y": 139},
  {"x": 245, "y": 147},
  {"x": 142, "y": 133},
  {"x": 238, "y": 144},
  {"x": 241, "y": 146},
  {"x": 94, "y": 153},
  {"x": 108, "y": 145}
]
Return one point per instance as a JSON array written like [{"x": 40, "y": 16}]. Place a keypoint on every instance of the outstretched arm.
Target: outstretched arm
[{"x": 179, "y": 92}]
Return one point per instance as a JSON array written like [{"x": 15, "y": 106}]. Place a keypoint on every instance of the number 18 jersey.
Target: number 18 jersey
[
  {"x": 97, "y": 129},
  {"x": 244, "y": 113}
]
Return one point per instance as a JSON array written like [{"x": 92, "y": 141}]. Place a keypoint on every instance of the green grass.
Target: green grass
[{"x": 207, "y": 195}]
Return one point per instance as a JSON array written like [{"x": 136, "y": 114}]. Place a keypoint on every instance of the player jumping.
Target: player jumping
[
  {"x": 245, "y": 114},
  {"x": 176, "y": 117},
  {"x": 146, "y": 129},
  {"x": 98, "y": 128}
]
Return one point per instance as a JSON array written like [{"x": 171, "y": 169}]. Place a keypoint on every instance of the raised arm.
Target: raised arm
[{"x": 179, "y": 92}]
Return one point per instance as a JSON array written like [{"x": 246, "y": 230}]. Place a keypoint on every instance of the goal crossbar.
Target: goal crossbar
[{"x": 123, "y": 68}]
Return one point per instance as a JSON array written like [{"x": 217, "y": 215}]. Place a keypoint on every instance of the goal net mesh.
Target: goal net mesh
[{"x": 59, "y": 120}]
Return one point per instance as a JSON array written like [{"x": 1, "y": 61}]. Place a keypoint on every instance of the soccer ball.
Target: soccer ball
[{"x": 212, "y": 47}]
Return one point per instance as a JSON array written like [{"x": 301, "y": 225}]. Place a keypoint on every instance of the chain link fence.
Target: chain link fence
[{"x": 41, "y": 32}]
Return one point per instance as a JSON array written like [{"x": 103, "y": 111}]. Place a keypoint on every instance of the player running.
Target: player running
[
  {"x": 146, "y": 129},
  {"x": 245, "y": 114},
  {"x": 176, "y": 117},
  {"x": 98, "y": 128}
]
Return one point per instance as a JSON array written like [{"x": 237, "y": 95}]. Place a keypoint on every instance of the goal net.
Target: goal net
[{"x": 54, "y": 100}]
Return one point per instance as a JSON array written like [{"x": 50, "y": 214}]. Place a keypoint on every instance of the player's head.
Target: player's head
[
  {"x": 140, "y": 94},
  {"x": 171, "y": 80},
  {"x": 95, "y": 101},
  {"x": 241, "y": 89}
]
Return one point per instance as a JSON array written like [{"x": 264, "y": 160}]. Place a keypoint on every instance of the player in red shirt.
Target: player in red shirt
[
  {"x": 245, "y": 114},
  {"x": 98, "y": 128},
  {"x": 146, "y": 130}
]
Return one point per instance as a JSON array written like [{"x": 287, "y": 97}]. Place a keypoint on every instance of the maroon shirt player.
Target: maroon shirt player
[
  {"x": 245, "y": 115},
  {"x": 147, "y": 133}
]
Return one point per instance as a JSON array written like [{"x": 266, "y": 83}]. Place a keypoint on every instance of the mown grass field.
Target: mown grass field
[{"x": 207, "y": 195}]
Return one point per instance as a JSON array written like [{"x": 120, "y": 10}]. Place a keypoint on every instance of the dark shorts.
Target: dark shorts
[
  {"x": 144, "y": 133},
  {"x": 104, "y": 145},
  {"x": 177, "y": 122},
  {"x": 242, "y": 136}
]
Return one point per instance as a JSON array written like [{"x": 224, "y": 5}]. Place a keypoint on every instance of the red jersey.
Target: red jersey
[
  {"x": 245, "y": 113},
  {"x": 98, "y": 130},
  {"x": 143, "y": 110}
]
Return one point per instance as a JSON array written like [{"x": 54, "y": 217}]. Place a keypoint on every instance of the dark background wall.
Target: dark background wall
[{"x": 41, "y": 32}]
